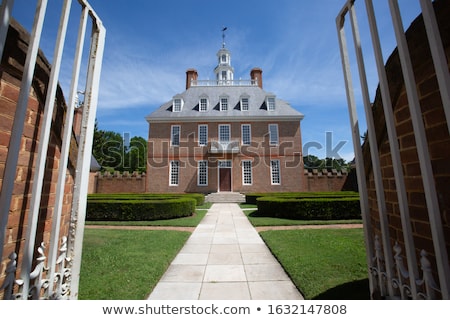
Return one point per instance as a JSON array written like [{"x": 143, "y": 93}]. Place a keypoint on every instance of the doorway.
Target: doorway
[{"x": 225, "y": 176}]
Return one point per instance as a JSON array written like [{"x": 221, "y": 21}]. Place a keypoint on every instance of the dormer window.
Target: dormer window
[
  {"x": 270, "y": 103},
  {"x": 177, "y": 104},
  {"x": 203, "y": 104},
  {"x": 244, "y": 103},
  {"x": 223, "y": 103}
]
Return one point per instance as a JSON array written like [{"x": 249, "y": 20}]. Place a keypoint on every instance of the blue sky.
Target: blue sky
[{"x": 151, "y": 43}]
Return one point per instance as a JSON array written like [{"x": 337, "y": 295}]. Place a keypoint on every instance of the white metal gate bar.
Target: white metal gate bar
[
  {"x": 406, "y": 279},
  {"x": 19, "y": 120},
  {"x": 376, "y": 167},
  {"x": 423, "y": 153},
  {"x": 44, "y": 139},
  {"x": 438, "y": 53},
  {"x": 354, "y": 125},
  {"x": 85, "y": 148},
  {"x": 67, "y": 135},
  {"x": 395, "y": 152},
  {"x": 60, "y": 274}
]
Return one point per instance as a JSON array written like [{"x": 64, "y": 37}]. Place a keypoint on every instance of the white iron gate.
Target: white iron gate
[
  {"x": 389, "y": 275},
  {"x": 55, "y": 276}
]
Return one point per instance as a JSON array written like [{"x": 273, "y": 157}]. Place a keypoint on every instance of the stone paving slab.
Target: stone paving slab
[{"x": 225, "y": 259}]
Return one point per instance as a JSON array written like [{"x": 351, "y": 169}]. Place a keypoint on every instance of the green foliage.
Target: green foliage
[
  {"x": 125, "y": 264},
  {"x": 310, "y": 208},
  {"x": 251, "y": 198},
  {"x": 199, "y": 198},
  {"x": 324, "y": 264},
  {"x": 113, "y": 154},
  {"x": 313, "y": 162},
  {"x": 307, "y": 205},
  {"x": 141, "y": 207}
]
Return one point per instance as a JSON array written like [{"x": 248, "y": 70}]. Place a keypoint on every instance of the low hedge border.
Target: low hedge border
[
  {"x": 139, "y": 209},
  {"x": 251, "y": 198},
  {"x": 199, "y": 198},
  {"x": 141, "y": 206},
  {"x": 313, "y": 208}
]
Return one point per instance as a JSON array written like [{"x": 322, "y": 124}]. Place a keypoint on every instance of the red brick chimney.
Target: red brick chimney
[
  {"x": 191, "y": 75},
  {"x": 256, "y": 75},
  {"x": 77, "y": 119}
]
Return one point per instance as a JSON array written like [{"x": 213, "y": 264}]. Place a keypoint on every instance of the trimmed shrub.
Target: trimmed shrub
[
  {"x": 139, "y": 209},
  {"x": 251, "y": 198},
  {"x": 333, "y": 208},
  {"x": 199, "y": 198}
]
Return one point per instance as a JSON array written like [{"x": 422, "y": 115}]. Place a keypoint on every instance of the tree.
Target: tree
[
  {"x": 111, "y": 153},
  {"x": 313, "y": 162},
  {"x": 136, "y": 155}
]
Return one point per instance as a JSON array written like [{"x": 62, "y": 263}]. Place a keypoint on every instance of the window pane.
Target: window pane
[
  {"x": 223, "y": 104},
  {"x": 273, "y": 134},
  {"x": 247, "y": 172},
  {"x": 175, "y": 136},
  {"x": 174, "y": 173},
  {"x": 271, "y": 104},
  {"x": 244, "y": 104},
  {"x": 203, "y": 104},
  {"x": 203, "y": 135},
  {"x": 224, "y": 133},
  {"x": 202, "y": 173},
  {"x": 246, "y": 135},
  {"x": 177, "y": 105},
  {"x": 275, "y": 171}
]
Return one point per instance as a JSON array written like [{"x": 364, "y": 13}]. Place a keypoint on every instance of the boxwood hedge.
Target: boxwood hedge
[
  {"x": 140, "y": 207},
  {"x": 251, "y": 198},
  {"x": 308, "y": 206}
]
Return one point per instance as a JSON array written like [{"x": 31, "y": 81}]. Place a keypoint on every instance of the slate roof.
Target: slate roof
[{"x": 257, "y": 106}]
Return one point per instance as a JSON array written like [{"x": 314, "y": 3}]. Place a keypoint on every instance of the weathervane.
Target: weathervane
[{"x": 223, "y": 36}]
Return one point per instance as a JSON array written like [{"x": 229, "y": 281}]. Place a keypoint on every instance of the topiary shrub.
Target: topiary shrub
[
  {"x": 139, "y": 209},
  {"x": 333, "y": 208}
]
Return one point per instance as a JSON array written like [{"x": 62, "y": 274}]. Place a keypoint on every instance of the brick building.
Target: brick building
[{"x": 225, "y": 135}]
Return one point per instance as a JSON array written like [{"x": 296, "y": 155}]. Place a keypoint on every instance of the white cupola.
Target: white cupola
[{"x": 224, "y": 71}]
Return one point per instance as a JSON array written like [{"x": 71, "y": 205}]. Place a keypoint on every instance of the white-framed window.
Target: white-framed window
[
  {"x": 273, "y": 134},
  {"x": 202, "y": 173},
  {"x": 247, "y": 178},
  {"x": 202, "y": 134},
  {"x": 224, "y": 75},
  {"x": 223, "y": 103},
  {"x": 224, "y": 133},
  {"x": 246, "y": 134},
  {"x": 203, "y": 104},
  {"x": 275, "y": 171},
  {"x": 271, "y": 103},
  {"x": 174, "y": 177},
  {"x": 225, "y": 164},
  {"x": 175, "y": 135},
  {"x": 177, "y": 104},
  {"x": 224, "y": 58},
  {"x": 244, "y": 103}
]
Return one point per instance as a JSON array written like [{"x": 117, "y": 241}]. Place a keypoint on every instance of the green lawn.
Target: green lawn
[
  {"x": 324, "y": 264},
  {"x": 124, "y": 264},
  {"x": 252, "y": 214}
]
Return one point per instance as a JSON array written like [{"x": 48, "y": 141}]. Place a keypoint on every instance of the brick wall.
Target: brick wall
[
  {"x": 11, "y": 70},
  {"x": 436, "y": 132},
  {"x": 325, "y": 180},
  {"x": 160, "y": 153},
  {"x": 117, "y": 182}
]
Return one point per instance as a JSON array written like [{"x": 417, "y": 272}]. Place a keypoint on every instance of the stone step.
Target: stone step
[{"x": 225, "y": 197}]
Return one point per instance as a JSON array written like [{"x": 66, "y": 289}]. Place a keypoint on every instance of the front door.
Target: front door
[{"x": 225, "y": 176}]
